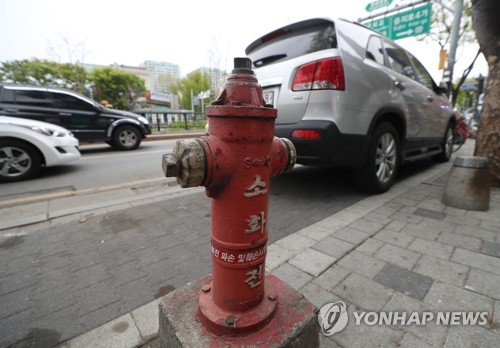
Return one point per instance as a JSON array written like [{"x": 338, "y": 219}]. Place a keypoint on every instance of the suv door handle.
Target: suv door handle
[
  {"x": 65, "y": 113},
  {"x": 11, "y": 110},
  {"x": 400, "y": 85},
  {"x": 430, "y": 99}
]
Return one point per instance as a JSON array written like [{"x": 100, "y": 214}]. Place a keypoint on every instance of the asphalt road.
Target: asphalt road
[{"x": 99, "y": 166}]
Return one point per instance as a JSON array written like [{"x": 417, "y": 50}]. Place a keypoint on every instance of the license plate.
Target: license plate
[{"x": 268, "y": 97}]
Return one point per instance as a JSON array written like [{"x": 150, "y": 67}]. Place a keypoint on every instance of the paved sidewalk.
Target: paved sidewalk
[{"x": 400, "y": 251}]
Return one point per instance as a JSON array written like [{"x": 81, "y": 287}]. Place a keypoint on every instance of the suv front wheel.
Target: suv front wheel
[
  {"x": 382, "y": 162},
  {"x": 126, "y": 137}
]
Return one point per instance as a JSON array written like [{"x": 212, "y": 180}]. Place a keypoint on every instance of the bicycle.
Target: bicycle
[{"x": 460, "y": 134}]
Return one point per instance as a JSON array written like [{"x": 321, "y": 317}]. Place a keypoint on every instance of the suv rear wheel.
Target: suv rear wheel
[
  {"x": 126, "y": 137},
  {"x": 382, "y": 162},
  {"x": 447, "y": 146}
]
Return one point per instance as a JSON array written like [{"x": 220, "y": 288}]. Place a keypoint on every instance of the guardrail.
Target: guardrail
[{"x": 160, "y": 120}]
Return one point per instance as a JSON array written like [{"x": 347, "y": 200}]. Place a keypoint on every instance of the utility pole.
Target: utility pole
[{"x": 455, "y": 30}]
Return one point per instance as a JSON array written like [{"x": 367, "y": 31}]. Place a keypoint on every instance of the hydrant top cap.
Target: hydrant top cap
[{"x": 243, "y": 66}]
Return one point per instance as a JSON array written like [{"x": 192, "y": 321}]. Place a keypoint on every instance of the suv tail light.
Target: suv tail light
[{"x": 322, "y": 74}]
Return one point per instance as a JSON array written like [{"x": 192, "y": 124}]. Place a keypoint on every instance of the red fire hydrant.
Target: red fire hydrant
[{"x": 235, "y": 163}]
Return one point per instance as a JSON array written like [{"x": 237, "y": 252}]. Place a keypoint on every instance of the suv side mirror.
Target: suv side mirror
[{"x": 442, "y": 88}]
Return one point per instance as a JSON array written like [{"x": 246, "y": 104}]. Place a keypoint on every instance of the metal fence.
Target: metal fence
[{"x": 160, "y": 120}]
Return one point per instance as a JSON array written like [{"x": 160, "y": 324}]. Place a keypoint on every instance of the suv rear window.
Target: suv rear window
[{"x": 294, "y": 43}]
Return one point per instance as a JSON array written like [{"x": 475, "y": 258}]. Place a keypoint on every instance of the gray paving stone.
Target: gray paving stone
[
  {"x": 459, "y": 240},
  {"x": 421, "y": 231},
  {"x": 358, "y": 336},
  {"x": 484, "y": 283},
  {"x": 16, "y": 302},
  {"x": 367, "y": 226},
  {"x": 492, "y": 249},
  {"x": 398, "y": 256},
  {"x": 432, "y": 248},
  {"x": 407, "y": 217},
  {"x": 362, "y": 264},
  {"x": 395, "y": 238},
  {"x": 327, "y": 342},
  {"x": 410, "y": 341},
  {"x": 443, "y": 226},
  {"x": 293, "y": 276},
  {"x": 351, "y": 235},
  {"x": 333, "y": 246},
  {"x": 376, "y": 217},
  {"x": 442, "y": 270},
  {"x": 430, "y": 332},
  {"x": 318, "y": 295},
  {"x": 388, "y": 209},
  {"x": 369, "y": 246},
  {"x": 449, "y": 298},
  {"x": 276, "y": 256},
  {"x": 316, "y": 232},
  {"x": 120, "y": 332},
  {"x": 330, "y": 278},
  {"x": 396, "y": 225},
  {"x": 17, "y": 328},
  {"x": 471, "y": 337},
  {"x": 312, "y": 261},
  {"x": 477, "y": 232},
  {"x": 495, "y": 321},
  {"x": 409, "y": 283},
  {"x": 438, "y": 215},
  {"x": 146, "y": 319},
  {"x": 295, "y": 243},
  {"x": 476, "y": 260},
  {"x": 490, "y": 226},
  {"x": 363, "y": 292}
]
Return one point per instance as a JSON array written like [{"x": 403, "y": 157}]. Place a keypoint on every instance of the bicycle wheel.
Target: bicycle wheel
[{"x": 458, "y": 141}]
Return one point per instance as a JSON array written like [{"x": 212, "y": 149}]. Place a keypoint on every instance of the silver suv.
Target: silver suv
[{"x": 348, "y": 96}]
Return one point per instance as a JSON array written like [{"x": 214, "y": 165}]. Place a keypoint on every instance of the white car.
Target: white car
[{"x": 26, "y": 145}]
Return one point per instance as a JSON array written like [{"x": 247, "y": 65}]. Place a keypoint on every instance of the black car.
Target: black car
[{"x": 85, "y": 118}]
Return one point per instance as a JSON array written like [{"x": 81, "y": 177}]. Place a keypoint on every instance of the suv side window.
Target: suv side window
[
  {"x": 399, "y": 60},
  {"x": 8, "y": 96},
  {"x": 66, "y": 101},
  {"x": 31, "y": 98},
  {"x": 422, "y": 75},
  {"x": 374, "y": 50}
]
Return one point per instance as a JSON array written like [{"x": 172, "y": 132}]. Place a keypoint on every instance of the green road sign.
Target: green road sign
[
  {"x": 375, "y": 5},
  {"x": 404, "y": 24}
]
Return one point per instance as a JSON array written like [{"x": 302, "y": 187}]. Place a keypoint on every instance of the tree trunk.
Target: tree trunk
[{"x": 487, "y": 24}]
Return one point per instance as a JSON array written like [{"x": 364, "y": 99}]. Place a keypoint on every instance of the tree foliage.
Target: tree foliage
[
  {"x": 196, "y": 82},
  {"x": 118, "y": 87},
  {"x": 485, "y": 17},
  {"x": 442, "y": 20},
  {"x": 44, "y": 72}
]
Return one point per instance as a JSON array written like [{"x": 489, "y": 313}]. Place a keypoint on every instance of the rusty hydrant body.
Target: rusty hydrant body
[{"x": 235, "y": 163}]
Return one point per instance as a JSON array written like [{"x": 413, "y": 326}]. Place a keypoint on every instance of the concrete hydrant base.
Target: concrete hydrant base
[{"x": 295, "y": 323}]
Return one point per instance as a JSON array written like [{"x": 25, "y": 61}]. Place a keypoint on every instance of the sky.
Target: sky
[{"x": 190, "y": 33}]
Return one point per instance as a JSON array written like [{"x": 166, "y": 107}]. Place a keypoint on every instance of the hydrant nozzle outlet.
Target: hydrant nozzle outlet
[{"x": 187, "y": 162}]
